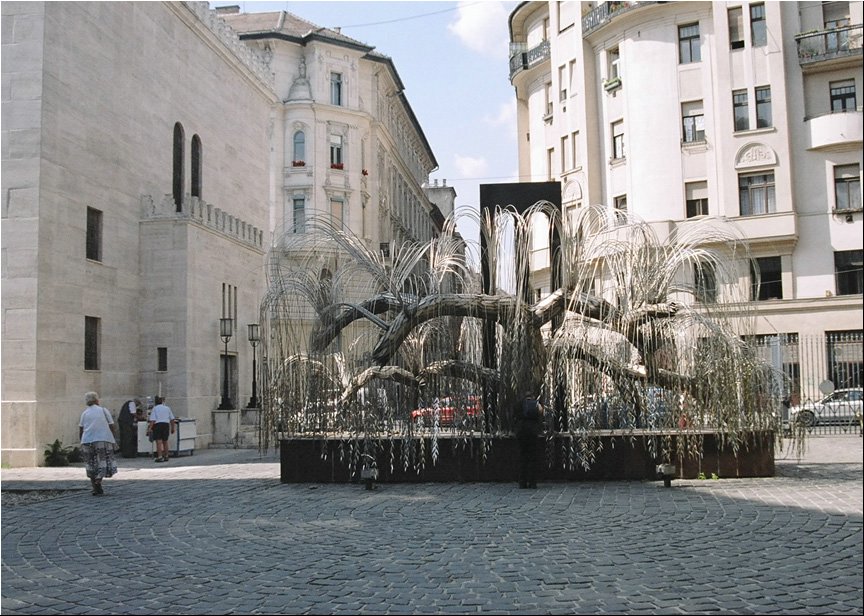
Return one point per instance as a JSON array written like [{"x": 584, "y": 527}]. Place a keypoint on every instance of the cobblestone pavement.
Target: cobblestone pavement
[{"x": 217, "y": 533}]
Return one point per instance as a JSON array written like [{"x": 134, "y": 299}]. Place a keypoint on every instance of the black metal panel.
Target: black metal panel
[{"x": 520, "y": 195}]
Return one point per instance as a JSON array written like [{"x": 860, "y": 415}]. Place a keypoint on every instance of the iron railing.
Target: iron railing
[
  {"x": 522, "y": 58},
  {"x": 829, "y": 44},
  {"x": 606, "y": 12}
]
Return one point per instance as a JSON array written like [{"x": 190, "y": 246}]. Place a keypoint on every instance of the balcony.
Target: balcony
[
  {"x": 522, "y": 59},
  {"x": 836, "y": 131},
  {"x": 829, "y": 46},
  {"x": 606, "y": 12}
]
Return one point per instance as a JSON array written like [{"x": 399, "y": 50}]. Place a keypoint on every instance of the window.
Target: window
[
  {"x": 550, "y": 163},
  {"x": 696, "y": 195},
  {"x": 848, "y": 272},
  {"x": 92, "y": 327},
  {"x": 836, "y": 15},
  {"x": 336, "y": 89},
  {"x": 689, "y": 49},
  {"x": 736, "y": 28},
  {"x": 763, "y": 107},
  {"x": 693, "y": 122},
  {"x": 845, "y": 357},
  {"x": 94, "y": 234},
  {"x": 562, "y": 83},
  {"x": 337, "y": 213},
  {"x": 614, "y": 58},
  {"x": 162, "y": 359},
  {"x": 758, "y": 31},
  {"x": 766, "y": 279},
  {"x": 548, "y": 99},
  {"x": 756, "y": 194},
  {"x": 781, "y": 351},
  {"x": 564, "y": 150},
  {"x": 178, "y": 179},
  {"x": 847, "y": 187},
  {"x": 741, "y": 112},
  {"x": 705, "y": 283},
  {"x": 299, "y": 148},
  {"x": 618, "y": 139},
  {"x": 613, "y": 69},
  {"x": 336, "y": 152},
  {"x": 621, "y": 210},
  {"x": 196, "y": 166},
  {"x": 574, "y": 142},
  {"x": 842, "y": 95},
  {"x": 299, "y": 215}
]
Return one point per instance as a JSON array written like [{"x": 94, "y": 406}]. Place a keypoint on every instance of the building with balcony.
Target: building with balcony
[
  {"x": 152, "y": 155},
  {"x": 675, "y": 111}
]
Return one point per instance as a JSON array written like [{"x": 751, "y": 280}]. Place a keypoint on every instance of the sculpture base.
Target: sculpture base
[{"x": 319, "y": 459}]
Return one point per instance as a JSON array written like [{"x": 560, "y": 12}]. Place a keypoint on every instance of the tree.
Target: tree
[{"x": 622, "y": 343}]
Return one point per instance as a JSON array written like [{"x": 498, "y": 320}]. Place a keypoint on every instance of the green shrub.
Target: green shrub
[{"x": 58, "y": 455}]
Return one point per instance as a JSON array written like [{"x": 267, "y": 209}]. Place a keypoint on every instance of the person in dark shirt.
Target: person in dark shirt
[{"x": 529, "y": 423}]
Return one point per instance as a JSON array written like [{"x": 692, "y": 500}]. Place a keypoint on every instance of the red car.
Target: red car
[{"x": 451, "y": 411}]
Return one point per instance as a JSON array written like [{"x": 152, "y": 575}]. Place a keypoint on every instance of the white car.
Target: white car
[{"x": 843, "y": 407}]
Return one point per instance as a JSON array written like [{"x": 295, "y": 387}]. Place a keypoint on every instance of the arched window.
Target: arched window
[
  {"x": 299, "y": 146},
  {"x": 178, "y": 166},
  {"x": 196, "y": 166}
]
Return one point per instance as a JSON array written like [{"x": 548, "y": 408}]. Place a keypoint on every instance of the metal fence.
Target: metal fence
[{"x": 822, "y": 379}]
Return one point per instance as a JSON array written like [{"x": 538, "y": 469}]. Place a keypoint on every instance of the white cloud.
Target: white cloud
[
  {"x": 506, "y": 116},
  {"x": 482, "y": 27},
  {"x": 469, "y": 167}
]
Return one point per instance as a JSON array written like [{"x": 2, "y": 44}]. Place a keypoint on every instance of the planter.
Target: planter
[{"x": 320, "y": 460}]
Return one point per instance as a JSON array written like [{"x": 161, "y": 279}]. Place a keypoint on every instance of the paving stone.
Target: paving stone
[{"x": 231, "y": 539}]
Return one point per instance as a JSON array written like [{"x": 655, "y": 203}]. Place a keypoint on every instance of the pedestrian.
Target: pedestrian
[
  {"x": 528, "y": 415},
  {"x": 128, "y": 422},
  {"x": 161, "y": 423},
  {"x": 96, "y": 433}
]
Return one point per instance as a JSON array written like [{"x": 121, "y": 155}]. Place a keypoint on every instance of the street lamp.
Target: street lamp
[
  {"x": 254, "y": 339},
  {"x": 226, "y": 328}
]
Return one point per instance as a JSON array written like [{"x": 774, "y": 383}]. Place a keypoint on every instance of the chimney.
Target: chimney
[{"x": 233, "y": 9}]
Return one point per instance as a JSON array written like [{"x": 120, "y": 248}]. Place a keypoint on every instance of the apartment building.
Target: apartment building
[
  {"x": 152, "y": 156},
  {"x": 746, "y": 111}
]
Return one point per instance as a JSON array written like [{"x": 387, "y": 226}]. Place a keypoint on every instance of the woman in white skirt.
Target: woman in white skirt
[{"x": 96, "y": 431}]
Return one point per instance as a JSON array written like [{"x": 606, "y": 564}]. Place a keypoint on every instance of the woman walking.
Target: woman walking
[{"x": 96, "y": 431}]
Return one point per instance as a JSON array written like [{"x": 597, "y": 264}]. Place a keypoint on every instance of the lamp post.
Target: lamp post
[
  {"x": 254, "y": 339},
  {"x": 226, "y": 328}
]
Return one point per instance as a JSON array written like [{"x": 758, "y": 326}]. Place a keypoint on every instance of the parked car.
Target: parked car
[
  {"x": 843, "y": 407},
  {"x": 451, "y": 411}
]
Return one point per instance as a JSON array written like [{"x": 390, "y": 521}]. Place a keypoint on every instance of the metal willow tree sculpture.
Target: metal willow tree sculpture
[{"x": 374, "y": 349}]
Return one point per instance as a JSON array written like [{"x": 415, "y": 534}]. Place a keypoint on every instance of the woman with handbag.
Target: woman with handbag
[{"x": 96, "y": 431}]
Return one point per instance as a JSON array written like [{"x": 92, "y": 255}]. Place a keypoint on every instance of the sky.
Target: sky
[{"x": 452, "y": 58}]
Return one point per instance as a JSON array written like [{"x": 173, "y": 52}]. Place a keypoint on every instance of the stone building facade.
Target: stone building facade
[
  {"x": 148, "y": 166},
  {"x": 674, "y": 111}
]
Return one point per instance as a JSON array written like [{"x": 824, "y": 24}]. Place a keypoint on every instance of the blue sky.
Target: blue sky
[{"x": 452, "y": 58}]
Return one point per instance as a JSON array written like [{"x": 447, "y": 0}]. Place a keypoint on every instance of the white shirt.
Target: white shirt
[
  {"x": 161, "y": 413},
  {"x": 96, "y": 421}
]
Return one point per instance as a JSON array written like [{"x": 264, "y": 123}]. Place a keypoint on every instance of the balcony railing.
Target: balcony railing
[
  {"x": 606, "y": 12},
  {"x": 520, "y": 59},
  {"x": 829, "y": 44}
]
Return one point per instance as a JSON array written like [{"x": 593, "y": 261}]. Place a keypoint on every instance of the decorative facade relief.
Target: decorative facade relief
[{"x": 755, "y": 155}]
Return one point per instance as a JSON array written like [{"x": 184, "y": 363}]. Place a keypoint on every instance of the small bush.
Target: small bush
[{"x": 58, "y": 455}]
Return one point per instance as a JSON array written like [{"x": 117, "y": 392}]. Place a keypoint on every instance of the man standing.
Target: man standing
[
  {"x": 528, "y": 415},
  {"x": 161, "y": 424}
]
